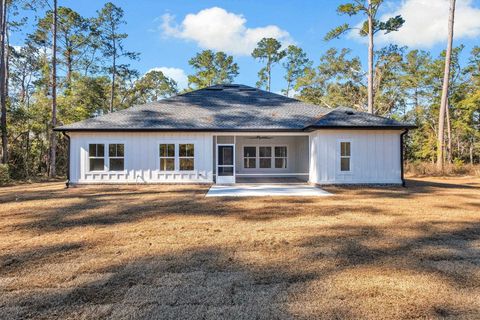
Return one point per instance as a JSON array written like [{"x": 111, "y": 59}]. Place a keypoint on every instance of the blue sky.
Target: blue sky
[{"x": 166, "y": 39}]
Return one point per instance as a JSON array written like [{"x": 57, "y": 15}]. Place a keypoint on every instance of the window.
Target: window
[
  {"x": 167, "y": 157},
  {"x": 96, "y": 155},
  {"x": 344, "y": 156},
  {"x": 116, "y": 157},
  {"x": 249, "y": 157},
  {"x": 281, "y": 157},
  {"x": 265, "y": 157},
  {"x": 186, "y": 156}
]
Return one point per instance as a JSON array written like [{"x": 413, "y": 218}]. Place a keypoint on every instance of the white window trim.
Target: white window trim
[
  {"x": 339, "y": 152},
  {"x": 274, "y": 157},
  {"x": 167, "y": 157},
  {"x": 116, "y": 157},
  {"x": 104, "y": 158},
  {"x": 244, "y": 157},
  {"x": 177, "y": 144},
  {"x": 179, "y": 157},
  {"x": 106, "y": 163},
  {"x": 272, "y": 150}
]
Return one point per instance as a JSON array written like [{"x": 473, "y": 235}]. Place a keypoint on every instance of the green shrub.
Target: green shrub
[
  {"x": 458, "y": 167},
  {"x": 4, "y": 174}
]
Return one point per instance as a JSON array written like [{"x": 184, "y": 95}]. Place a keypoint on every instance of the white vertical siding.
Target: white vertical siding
[
  {"x": 141, "y": 157},
  {"x": 375, "y": 156}
]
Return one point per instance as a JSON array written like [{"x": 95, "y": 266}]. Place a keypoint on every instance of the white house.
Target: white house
[{"x": 231, "y": 133}]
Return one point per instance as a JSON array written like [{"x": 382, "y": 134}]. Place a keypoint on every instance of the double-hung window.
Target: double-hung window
[
  {"x": 281, "y": 157},
  {"x": 186, "y": 156},
  {"x": 265, "y": 157},
  {"x": 345, "y": 155},
  {"x": 116, "y": 157},
  {"x": 167, "y": 157},
  {"x": 96, "y": 156},
  {"x": 249, "y": 157}
]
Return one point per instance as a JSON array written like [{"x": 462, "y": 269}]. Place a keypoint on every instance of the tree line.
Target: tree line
[{"x": 95, "y": 77}]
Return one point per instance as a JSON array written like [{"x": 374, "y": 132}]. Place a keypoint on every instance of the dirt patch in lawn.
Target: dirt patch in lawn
[{"x": 168, "y": 252}]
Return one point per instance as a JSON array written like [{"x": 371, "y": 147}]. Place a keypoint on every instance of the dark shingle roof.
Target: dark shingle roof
[
  {"x": 347, "y": 118},
  {"x": 228, "y": 107}
]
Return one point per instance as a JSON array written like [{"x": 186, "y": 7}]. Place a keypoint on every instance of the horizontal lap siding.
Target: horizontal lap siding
[
  {"x": 375, "y": 156},
  {"x": 141, "y": 157}
]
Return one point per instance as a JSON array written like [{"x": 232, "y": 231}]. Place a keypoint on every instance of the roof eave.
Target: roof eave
[
  {"x": 396, "y": 127},
  {"x": 60, "y": 129}
]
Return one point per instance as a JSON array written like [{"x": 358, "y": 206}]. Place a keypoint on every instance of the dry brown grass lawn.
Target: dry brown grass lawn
[{"x": 168, "y": 252}]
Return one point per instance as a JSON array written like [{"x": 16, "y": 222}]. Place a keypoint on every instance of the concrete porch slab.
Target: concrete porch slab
[{"x": 266, "y": 190}]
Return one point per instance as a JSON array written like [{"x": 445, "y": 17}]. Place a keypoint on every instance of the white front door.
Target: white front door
[{"x": 225, "y": 163}]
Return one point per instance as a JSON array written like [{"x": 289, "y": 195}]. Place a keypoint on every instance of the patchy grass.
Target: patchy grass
[{"x": 168, "y": 252}]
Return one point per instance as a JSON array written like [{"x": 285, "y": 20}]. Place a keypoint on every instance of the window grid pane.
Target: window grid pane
[
  {"x": 280, "y": 163},
  {"x": 167, "y": 164},
  {"x": 345, "y": 149},
  {"x": 116, "y": 164},
  {"x": 112, "y": 150},
  {"x": 250, "y": 163},
  {"x": 186, "y": 150},
  {"x": 167, "y": 157},
  {"x": 186, "y": 164},
  {"x": 250, "y": 152},
  {"x": 92, "y": 150},
  {"x": 116, "y": 150},
  {"x": 265, "y": 157},
  {"x": 96, "y": 154},
  {"x": 97, "y": 164},
  {"x": 265, "y": 163},
  {"x": 249, "y": 157},
  {"x": 100, "y": 150},
  {"x": 280, "y": 157},
  {"x": 116, "y": 160},
  {"x": 345, "y": 164},
  {"x": 265, "y": 152},
  {"x": 345, "y": 156},
  {"x": 186, "y": 156},
  {"x": 281, "y": 152}
]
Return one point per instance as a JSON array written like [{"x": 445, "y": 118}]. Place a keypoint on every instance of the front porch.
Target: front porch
[{"x": 261, "y": 158}]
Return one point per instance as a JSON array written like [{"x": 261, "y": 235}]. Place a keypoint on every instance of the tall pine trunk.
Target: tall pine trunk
[
  {"x": 269, "y": 73},
  {"x": 3, "y": 86},
  {"x": 112, "y": 89},
  {"x": 114, "y": 71},
  {"x": 53, "y": 136},
  {"x": 288, "y": 88},
  {"x": 68, "y": 62},
  {"x": 449, "y": 136},
  {"x": 444, "y": 100},
  {"x": 370, "y": 58},
  {"x": 470, "y": 151}
]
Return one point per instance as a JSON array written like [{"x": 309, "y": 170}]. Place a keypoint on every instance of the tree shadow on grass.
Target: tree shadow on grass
[
  {"x": 96, "y": 213},
  {"x": 217, "y": 283},
  {"x": 18, "y": 260},
  {"x": 110, "y": 205},
  {"x": 206, "y": 283},
  {"x": 412, "y": 189}
]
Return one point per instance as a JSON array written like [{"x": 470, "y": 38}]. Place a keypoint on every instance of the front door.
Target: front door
[{"x": 225, "y": 163}]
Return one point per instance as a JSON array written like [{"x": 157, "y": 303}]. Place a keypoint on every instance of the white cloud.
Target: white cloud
[
  {"x": 176, "y": 74},
  {"x": 426, "y": 22},
  {"x": 217, "y": 29}
]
